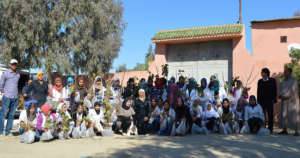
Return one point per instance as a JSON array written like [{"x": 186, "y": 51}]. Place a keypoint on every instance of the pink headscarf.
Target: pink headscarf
[{"x": 46, "y": 108}]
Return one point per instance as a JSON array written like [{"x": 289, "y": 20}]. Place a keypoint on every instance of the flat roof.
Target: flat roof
[{"x": 275, "y": 20}]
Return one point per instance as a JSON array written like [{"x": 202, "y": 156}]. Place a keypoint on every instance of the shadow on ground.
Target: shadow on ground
[{"x": 208, "y": 146}]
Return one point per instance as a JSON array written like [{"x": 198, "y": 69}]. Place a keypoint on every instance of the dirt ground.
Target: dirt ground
[{"x": 233, "y": 146}]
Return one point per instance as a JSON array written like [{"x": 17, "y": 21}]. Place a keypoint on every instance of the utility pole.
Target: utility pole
[{"x": 240, "y": 18}]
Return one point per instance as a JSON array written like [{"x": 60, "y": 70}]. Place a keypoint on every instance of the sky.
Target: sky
[{"x": 145, "y": 17}]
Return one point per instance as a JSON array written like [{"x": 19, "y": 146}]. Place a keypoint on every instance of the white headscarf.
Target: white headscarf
[{"x": 140, "y": 97}]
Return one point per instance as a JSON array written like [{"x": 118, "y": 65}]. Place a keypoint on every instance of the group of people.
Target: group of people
[{"x": 156, "y": 106}]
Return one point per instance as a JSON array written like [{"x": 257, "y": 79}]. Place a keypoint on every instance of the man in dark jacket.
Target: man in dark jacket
[
  {"x": 266, "y": 95},
  {"x": 39, "y": 89}
]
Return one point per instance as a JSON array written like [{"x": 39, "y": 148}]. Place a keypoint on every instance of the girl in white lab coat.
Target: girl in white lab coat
[
  {"x": 254, "y": 115},
  {"x": 167, "y": 118},
  {"x": 96, "y": 116}
]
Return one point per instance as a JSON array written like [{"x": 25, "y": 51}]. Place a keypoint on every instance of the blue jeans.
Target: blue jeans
[
  {"x": 167, "y": 131},
  {"x": 155, "y": 125},
  {"x": 10, "y": 105},
  {"x": 37, "y": 133}
]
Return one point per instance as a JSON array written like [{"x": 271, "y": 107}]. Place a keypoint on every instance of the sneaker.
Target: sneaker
[
  {"x": 1, "y": 135},
  {"x": 296, "y": 134}
]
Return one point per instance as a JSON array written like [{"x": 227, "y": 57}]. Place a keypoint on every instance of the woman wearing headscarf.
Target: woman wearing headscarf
[
  {"x": 70, "y": 87},
  {"x": 58, "y": 92},
  {"x": 254, "y": 115},
  {"x": 191, "y": 91},
  {"x": 125, "y": 117},
  {"x": 79, "y": 93},
  {"x": 46, "y": 121},
  {"x": 239, "y": 112},
  {"x": 142, "y": 115},
  {"x": 96, "y": 116},
  {"x": 99, "y": 90},
  {"x": 209, "y": 118},
  {"x": 227, "y": 115},
  {"x": 39, "y": 89},
  {"x": 183, "y": 118},
  {"x": 217, "y": 92},
  {"x": 204, "y": 93},
  {"x": 117, "y": 88},
  {"x": 28, "y": 117},
  {"x": 131, "y": 90},
  {"x": 181, "y": 85}
]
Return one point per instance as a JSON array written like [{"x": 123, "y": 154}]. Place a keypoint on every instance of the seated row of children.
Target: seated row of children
[{"x": 46, "y": 124}]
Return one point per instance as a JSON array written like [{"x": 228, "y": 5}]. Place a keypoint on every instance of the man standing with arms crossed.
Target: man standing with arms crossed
[{"x": 9, "y": 88}]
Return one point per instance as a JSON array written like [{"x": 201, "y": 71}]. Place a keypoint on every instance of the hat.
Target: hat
[{"x": 13, "y": 61}]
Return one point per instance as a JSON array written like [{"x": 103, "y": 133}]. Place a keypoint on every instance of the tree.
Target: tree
[
  {"x": 122, "y": 68},
  {"x": 139, "y": 67},
  {"x": 149, "y": 57},
  {"x": 294, "y": 64},
  {"x": 62, "y": 35},
  {"x": 297, "y": 13}
]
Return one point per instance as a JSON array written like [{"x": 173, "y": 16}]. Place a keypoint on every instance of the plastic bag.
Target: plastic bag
[
  {"x": 28, "y": 137},
  {"x": 263, "y": 132},
  {"x": 83, "y": 130},
  {"x": 222, "y": 129},
  {"x": 99, "y": 127},
  {"x": 245, "y": 129},
  {"x": 181, "y": 129},
  {"x": 236, "y": 127},
  {"x": 163, "y": 125},
  {"x": 46, "y": 136},
  {"x": 61, "y": 135},
  {"x": 76, "y": 133},
  {"x": 107, "y": 132},
  {"x": 131, "y": 130},
  {"x": 90, "y": 132},
  {"x": 151, "y": 120}
]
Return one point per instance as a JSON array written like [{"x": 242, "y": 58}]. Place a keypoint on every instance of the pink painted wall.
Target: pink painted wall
[
  {"x": 267, "y": 49},
  {"x": 155, "y": 67},
  {"x": 242, "y": 62}
]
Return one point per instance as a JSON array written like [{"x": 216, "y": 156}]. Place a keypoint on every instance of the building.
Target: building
[
  {"x": 201, "y": 52},
  {"x": 271, "y": 42}
]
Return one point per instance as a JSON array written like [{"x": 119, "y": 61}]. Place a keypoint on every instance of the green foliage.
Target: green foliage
[
  {"x": 297, "y": 13},
  {"x": 295, "y": 55},
  {"x": 165, "y": 70},
  {"x": 61, "y": 35},
  {"x": 122, "y": 68},
  {"x": 139, "y": 67},
  {"x": 149, "y": 57}
]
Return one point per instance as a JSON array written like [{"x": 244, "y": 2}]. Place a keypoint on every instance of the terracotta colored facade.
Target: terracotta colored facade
[{"x": 268, "y": 51}]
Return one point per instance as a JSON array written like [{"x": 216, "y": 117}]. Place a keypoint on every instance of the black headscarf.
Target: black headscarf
[
  {"x": 252, "y": 97},
  {"x": 124, "y": 104},
  {"x": 226, "y": 110},
  {"x": 97, "y": 111}
]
